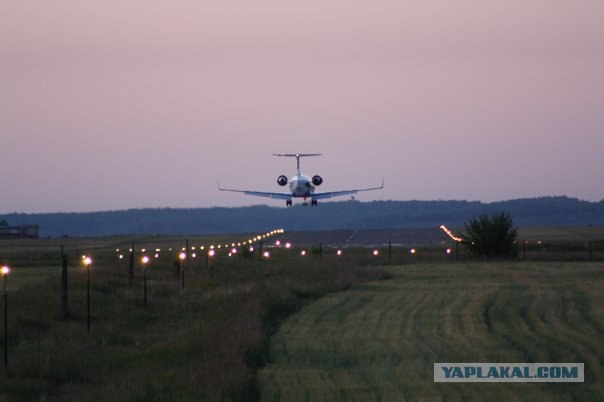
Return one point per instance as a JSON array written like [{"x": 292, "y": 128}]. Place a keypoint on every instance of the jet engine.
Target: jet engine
[
  {"x": 282, "y": 180},
  {"x": 317, "y": 180}
]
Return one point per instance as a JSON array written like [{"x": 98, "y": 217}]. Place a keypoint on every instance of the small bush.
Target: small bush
[{"x": 491, "y": 237}]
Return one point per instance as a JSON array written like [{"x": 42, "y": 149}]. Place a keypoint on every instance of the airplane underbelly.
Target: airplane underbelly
[{"x": 301, "y": 189}]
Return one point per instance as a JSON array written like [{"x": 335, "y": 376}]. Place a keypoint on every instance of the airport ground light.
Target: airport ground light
[
  {"x": 5, "y": 270},
  {"x": 247, "y": 248},
  {"x": 218, "y": 246},
  {"x": 209, "y": 256},
  {"x": 279, "y": 251},
  {"x": 182, "y": 257},
  {"x": 145, "y": 260},
  {"x": 87, "y": 262}
]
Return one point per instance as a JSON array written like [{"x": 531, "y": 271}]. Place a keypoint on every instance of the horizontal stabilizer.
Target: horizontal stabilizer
[{"x": 296, "y": 155}]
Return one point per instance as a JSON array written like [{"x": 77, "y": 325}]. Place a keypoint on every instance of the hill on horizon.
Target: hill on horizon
[{"x": 542, "y": 211}]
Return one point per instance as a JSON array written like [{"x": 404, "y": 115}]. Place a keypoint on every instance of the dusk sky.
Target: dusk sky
[{"x": 123, "y": 104}]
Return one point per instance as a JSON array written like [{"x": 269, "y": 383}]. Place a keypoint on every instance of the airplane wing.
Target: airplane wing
[
  {"x": 280, "y": 196},
  {"x": 321, "y": 196}
]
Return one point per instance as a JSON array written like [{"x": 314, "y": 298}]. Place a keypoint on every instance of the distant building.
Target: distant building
[{"x": 19, "y": 232}]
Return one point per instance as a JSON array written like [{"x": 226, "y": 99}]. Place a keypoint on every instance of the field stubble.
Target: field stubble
[{"x": 378, "y": 341}]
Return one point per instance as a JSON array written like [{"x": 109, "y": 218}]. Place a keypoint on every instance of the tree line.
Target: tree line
[{"x": 544, "y": 211}]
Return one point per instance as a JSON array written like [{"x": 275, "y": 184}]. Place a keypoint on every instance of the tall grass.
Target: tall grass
[{"x": 204, "y": 342}]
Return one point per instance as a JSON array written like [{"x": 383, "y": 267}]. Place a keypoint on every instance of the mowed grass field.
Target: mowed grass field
[{"x": 378, "y": 341}]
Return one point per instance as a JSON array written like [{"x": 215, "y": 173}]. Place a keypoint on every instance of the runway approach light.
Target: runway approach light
[
  {"x": 448, "y": 251},
  {"x": 251, "y": 249},
  {"x": 87, "y": 261},
  {"x": 5, "y": 270},
  {"x": 303, "y": 252},
  {"x": 412, "y": 251},
  {"x": 288, "y": 245},
  {"x": 182, "y": 256},
  {"x": 266, "y": 254},
  {"x": 211, "y": 253},
  {"x": 145, "y": 260},
  {"x": 277, "y": 243},
  {"x": 450, "y": 234},
  {"x": 376, "y": 253},
  {"x": 339, "y": 252}
]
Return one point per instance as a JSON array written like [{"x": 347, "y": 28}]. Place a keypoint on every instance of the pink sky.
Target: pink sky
[{"x": 130, "y": 104}]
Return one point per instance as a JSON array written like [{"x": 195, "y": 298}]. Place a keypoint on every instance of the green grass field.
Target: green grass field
[
  {"x": 203, "y": 342},
  {"x": 378, "y": 341},
  {"x": 354, "y": 339}
]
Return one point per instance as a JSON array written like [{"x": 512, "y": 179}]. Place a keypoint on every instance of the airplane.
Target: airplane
[{"x": 300, "y": 186}]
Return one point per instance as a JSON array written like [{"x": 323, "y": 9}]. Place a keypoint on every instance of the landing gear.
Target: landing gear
[
  {"x": 313, "y": 203},
  {"x": 288, "y": 203}
]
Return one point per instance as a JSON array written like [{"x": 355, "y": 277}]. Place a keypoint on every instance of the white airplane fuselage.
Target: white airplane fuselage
[{"x": 301, "y": 186}]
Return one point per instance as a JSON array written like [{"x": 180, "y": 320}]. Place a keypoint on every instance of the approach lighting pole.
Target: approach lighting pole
[
  {"x": 182, "y": 257},
  {"x": 145, "y": 260},
  {"x": 64, "y": 311},
  {"x": 88, "y": 262},
  {"x": 131, "y": 266},
  {"x": 209, "y": 255},
  {"x": 524, "y": 250},
  {"x": 5, "y": 271}
]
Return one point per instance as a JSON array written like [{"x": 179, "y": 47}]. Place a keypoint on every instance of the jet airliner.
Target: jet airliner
[{"x": 301, "y": 186}]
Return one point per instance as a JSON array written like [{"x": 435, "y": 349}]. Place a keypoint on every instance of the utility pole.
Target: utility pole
[
  {"x": 64, "y": 311},
  {"x": 131, "y": 266}
]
